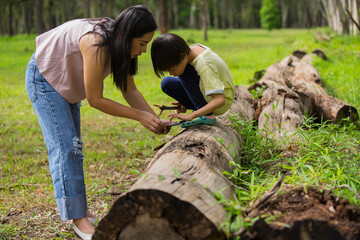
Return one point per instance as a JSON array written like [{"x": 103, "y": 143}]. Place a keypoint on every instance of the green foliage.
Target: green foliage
[
  {"x": 270, "y": 15},
  {"x": 324, "y": 155}
]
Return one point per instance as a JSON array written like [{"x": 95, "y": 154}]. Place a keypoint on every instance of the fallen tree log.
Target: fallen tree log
[
  {"x": 293, "y": 88},
  {"x": 306, "y": 79},
  {"x": 280, "y": 109},
  {"x": 175, "y": 198}
]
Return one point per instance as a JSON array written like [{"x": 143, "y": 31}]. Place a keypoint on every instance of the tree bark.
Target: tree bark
[
  {"x": 293, "y": 88},
  {"x": 284, "y": 13},
  {"x": 204, "y": 19},
  {"x": 87, "y": 6},
  {"x": 105, "y": 7},
  {"x": 175, "y": 199},
  {"x": 39, "y": 16},
  {"x": 2, "y": 11},
  {"x": 223, "y": 14},
  {"x": 216, "y": 14},
  {"x": 163, "y": 16},
  {"x": 192, "y": 21},
  {"x": 306, "y": 79},
  {"x": 64, "y": 10},
  {"x": 175, "y": 13},
  {"x": 280, "y": 110},
  {"x": 50, "y": 22},
  {"x": 11, "y": 19}
]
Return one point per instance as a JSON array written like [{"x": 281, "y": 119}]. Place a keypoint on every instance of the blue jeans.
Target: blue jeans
[
  {"x": 185, "y": 89},
  {"x": 60, "y": 124}
]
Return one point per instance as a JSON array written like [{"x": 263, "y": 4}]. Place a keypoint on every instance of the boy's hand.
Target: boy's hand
[
  {"x": 185, "y": 117},
  {"x": 182, "y": 108}
]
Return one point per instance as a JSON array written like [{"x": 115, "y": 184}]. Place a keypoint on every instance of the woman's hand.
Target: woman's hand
[
  {"x": 153, "y": 123},
  {"x": 165, "y": 121}
]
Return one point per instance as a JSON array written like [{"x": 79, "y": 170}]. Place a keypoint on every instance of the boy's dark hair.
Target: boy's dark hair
[
  {"x": 133, "y": 22},
  {"x": 167, "y": 51}
]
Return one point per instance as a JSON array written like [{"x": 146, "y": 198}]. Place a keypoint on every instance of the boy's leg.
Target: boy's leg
[
  {"x": 191, "y": 82},
  {"x": 60, "y": 124},
  {"x": 174, "y": 88}
]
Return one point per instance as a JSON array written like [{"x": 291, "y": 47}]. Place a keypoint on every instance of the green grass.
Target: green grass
[{"x": 116, "y": 150}]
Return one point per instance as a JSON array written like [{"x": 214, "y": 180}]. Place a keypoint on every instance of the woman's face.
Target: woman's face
[{"x": 139, "y": 45}]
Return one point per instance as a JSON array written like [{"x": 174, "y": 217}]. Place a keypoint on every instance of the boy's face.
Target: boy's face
[{"x": 178, "y": 69}]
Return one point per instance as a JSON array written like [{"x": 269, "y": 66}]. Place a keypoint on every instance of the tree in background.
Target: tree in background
[
  {"x": 31, "y": 16},
  {"x": 270, "y": 15},
  {"x": 342, "y": 16},
  {"x": 163, "y": 16}
]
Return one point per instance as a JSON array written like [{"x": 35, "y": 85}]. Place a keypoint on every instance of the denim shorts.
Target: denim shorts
[{"x": 60, "y": 124}]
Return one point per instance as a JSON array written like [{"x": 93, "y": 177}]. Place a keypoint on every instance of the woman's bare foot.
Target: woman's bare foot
[
  {"x": 211, "y": 116},
  {"x": 84, "y": 225}
]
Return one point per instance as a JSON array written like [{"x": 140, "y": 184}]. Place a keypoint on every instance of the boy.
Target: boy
[{"x": 202, "y": 81}]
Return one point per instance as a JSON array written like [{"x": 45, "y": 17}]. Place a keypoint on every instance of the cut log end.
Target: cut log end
[
  {"x": 156, "y": 215},
  {"x": 347, "y": 111}
]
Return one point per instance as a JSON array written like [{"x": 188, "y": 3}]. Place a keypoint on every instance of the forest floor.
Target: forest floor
[{"x": 314, "y": 213}]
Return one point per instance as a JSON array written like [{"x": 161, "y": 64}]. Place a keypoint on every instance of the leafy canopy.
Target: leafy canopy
[{"x": 270, "y": 15}]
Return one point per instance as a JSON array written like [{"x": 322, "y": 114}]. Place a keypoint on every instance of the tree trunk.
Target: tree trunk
[
  {"x": 105, "y": 8},
  {"x": 231, "y": 14},
  {"x": 163, "y": 16},
  {"x": 203, "y": 19},
  {"x": 284, "y": 13},
  {"x": 208, "y": 22},
  {"x": 11, "y": 19},
  {"x": 354, "y": 12},
  {"x": 216, "y": 14},
  {"x": 279, "y": 108},
  {"x": 175, "y": 199},
  {"x": 50, "y": 22},
  {"x": 192, "y": 22},
  {"x": 175, "y": 13},
  {"x": 127, "y": 3},
  {"x": 64, "y": 11},
  {"x": 293, "y": 88},
  {"x": 306, "y": 79},
  {"x": 2, "y": 30},
  {"x": 87, "y": 5},
  {"x": 223, "y": 14},
  {"x": 39, "y": 16}
]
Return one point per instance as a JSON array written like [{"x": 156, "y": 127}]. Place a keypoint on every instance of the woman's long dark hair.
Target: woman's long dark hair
[{"x": 133, "y": 22}]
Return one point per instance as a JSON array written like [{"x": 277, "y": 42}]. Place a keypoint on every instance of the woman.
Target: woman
[{"x": 69, "y": 65}]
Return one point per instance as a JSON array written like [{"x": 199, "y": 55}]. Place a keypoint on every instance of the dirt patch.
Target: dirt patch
[{"x": 306, "y": 214}]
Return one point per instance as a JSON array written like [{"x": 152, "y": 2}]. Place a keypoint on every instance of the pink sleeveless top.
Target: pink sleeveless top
[{"x": 59, "y": 59}]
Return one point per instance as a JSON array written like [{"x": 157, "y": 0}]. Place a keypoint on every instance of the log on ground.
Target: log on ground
[
  {"x": 306, "y": 79},
  {"x": 279, "y": 109},
  {"x": 175, "y": 198}
]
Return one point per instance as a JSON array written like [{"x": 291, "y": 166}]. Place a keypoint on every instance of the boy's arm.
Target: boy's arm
[{"x": 217, "y": 102}]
